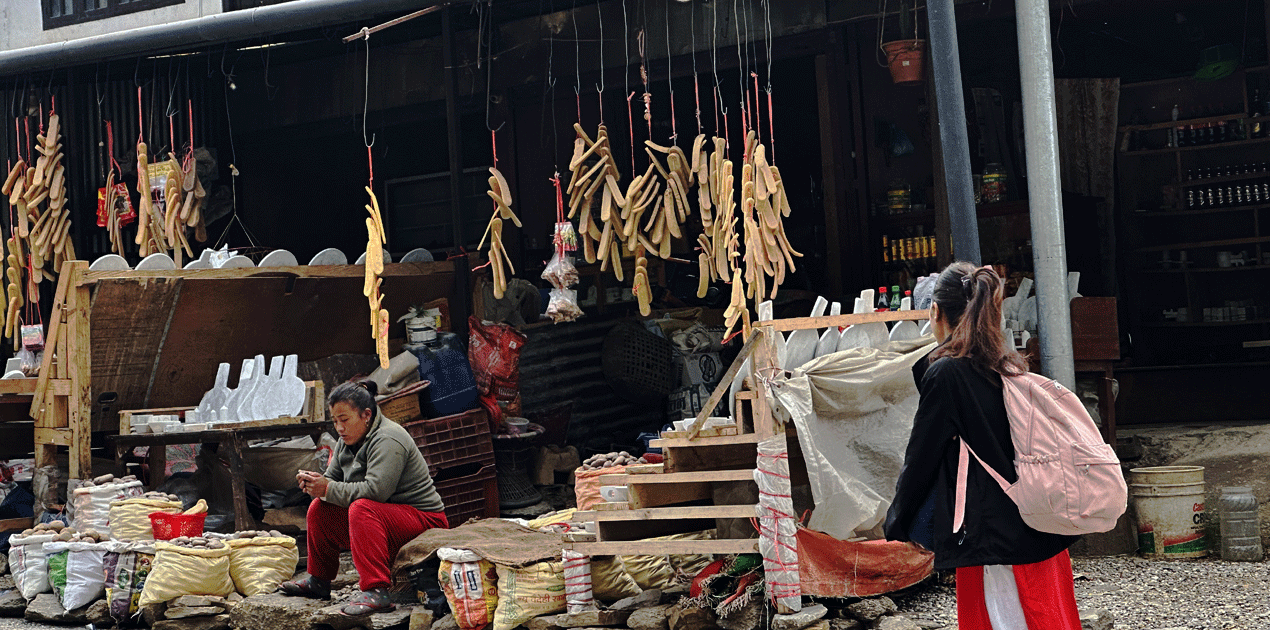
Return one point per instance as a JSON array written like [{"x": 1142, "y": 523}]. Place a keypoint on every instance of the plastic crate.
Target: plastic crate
[
  {"x": 470, "y": 496},
  {"x": 454, "y": 440},
  {"x": 168, "y": 526}
]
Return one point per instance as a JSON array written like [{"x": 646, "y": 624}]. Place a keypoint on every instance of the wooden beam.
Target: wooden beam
[
  {"x": 723, "y": 440},
  {"x": 724, "y": 386},
  {"x": 666, "y": 547},
  {"x": 809, "y": 323},
  {"x": 18, "y": 386},
  {"x": 47, "y": 436},
  {"x": 12, "y": 524},
  {"x": 685, "y": 477},
  {"x": 689, "y": 512},
  {"x": 78, "y": 358},
  {"x": 51, "y": 349}
]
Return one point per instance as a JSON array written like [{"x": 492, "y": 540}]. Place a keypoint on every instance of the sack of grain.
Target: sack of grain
[
  {"x": 127, "y": 566},
  {"x": 130, "y": 518},
  {"x": 29, "y": 564},
  {"x": 181, "y": 571},
  {"x": 259, "y": 565},
  {"x": 470, "y": 584},
  {"x": 91, "y": 504},
  {"x": 528, "y": 592}
]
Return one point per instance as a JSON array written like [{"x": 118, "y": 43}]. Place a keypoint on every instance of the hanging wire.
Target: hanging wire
[
  {"x": 626, "y": 75},
  {"x": 714, "y": 61},
  {"x": 670, "y": 81},
  {"x": 696, "y": 82},
  {"x": 577, "y": 59},
  {"x": 223, "y": 239},
  {"x": 771, "y": 115},
  {"x": 599, "y": 87},
  {"x": 549, "y": 92},
  {"x": 489, "y": 75}
]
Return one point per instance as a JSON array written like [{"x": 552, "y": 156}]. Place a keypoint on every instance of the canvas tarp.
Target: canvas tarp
[{"x": 854, "y": 412}]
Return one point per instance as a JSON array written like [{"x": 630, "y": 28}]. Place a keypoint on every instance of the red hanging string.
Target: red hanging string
[
  {"x": 41, "y": 119},
  {"x": 716, "y": 110},
  {"x": 26, "y": 124},
  {"x": 370, "y": 165},
  {"x": 17, "y": 134},
  {"x": 600, "y": 98},
  {"x": 578, "y": 98},
  {"x": 172, "y": 133},
  {"x": 771, "y": 130},
  {"x": 110, "y": 144},
  {"x": 696, "y": 90},
  {"x": 140, "y": 119},
  {"x": 758, "y": 113},
  {"x": 493, "y": 142},
  {"x": 52, "y": 105},
  {"x": 630, "y": 124}
]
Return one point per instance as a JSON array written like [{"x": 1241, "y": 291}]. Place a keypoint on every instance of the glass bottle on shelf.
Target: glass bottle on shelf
[{"x": 994, "y": 183}]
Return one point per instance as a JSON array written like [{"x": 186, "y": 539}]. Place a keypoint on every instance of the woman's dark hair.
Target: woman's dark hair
[
  {"x": 969, "y": 300},
  {"x": 360, "y": 394}
]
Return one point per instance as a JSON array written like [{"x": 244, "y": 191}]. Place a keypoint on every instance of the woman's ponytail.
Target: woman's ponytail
[{"x": 969, "y": 299}]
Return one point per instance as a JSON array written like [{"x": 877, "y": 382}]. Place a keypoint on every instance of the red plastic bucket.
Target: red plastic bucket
[{"x": 906, "y": 59}]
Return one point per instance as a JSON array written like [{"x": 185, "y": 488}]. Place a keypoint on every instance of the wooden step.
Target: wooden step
[
  {"x": 722, "y": 440},
  {"x": 672, "y": 513},
  {"x": 722, "y": 431},
  {"x": 666, "y": 547},
  {"x": 656, "y": 490}
]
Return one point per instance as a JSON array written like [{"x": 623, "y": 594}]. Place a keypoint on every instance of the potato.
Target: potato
[
  {"x": 275, "y": 533},
  {"x": 56, "y": 525}
]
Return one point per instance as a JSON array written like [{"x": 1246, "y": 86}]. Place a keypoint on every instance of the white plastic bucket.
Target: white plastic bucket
[
  {"x": 1169, "y": 501},
  {"x": 420, "y": 329}
]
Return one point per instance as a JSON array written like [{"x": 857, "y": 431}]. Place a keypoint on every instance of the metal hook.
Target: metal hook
[{"x": 366, "y": 91}]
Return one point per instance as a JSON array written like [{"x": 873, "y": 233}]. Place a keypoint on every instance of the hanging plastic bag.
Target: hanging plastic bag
[
  {"x": 470, "y": 584},
  {"x": 127, "y": 566},
  {"x": 76, "y": 572},
  {"x": 560, "y": 271},
  {"x": 29, "y": 564},
  {"x": 259, "y": 565},
  {"x": 563, "y": 306}
]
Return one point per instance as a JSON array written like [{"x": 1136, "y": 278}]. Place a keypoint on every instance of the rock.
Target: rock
[
  {"x": 673, "y": 594},
  {"x": 845, "y": 624},
  {"x": 217, "y": 622},
  {"x": 272, "y": 611},
  {"x": 801, "y": 619},
  {"x": 1097, "y": 620},
  {"x": 420, "y": 619},
  {"x": 153, "y": 613},
  {"x": 543, "y": 623},
  {"x": 871, "y": 609},
  {"x": 895, "y": 622},
  {"x": 749, "y": 617},
  {"x": 234, "y": 598},
  {"x": 46, "y": 609},
  {"x": 445, "y": 623},
  {"x": 99, "y": 614},
  {"x": 12, "y": 604},
  {"x": 651, "y": 618},
  {"x": 185, "y": 612},
  {"x": 331, "y": 617},
  {"x": 689, "y": 617},
  {"x": 592, "y": 619},
  {"x": 650, "y": 597},
  {"x": 198, "y": 601}
]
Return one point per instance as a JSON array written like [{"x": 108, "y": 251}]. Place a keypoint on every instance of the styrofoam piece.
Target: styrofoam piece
[
  {"x": 1025, "y": 288},
  {"x": 265, "y": 406},
  {"x": 829, "y": 339},
  {"x": 13, "y": 363},
  {"x": 1027, "y": 314},
  {"x": 853, "y": 337},
  {"x": 801, "y": 345},
  {"x": 279, "y": 258},
  {"x": 926, "y": 328},
  {"x": 1073, "y": 284},
  {"x": 218, "y": 395},
  {"x": 243, "y": 413},
  {"x": 238, "y": 262},
  {"x": 361, "y": 260},
  {"x": 906, "y": 304},
  {"x": 13, "y": 374},
  {"x": 867, "y": 298},
  {"x": 198, "y": 264},
  {"x": 235, "y": 398},
  {"x": 157, "y": 262},
  {"x": 110, "y": 262},
  {"x": 291, "y": 390},
  {"x": 329, "y": 256},
  {"x": 904, "y": 331},
  {"x": 418, "y": 255}
]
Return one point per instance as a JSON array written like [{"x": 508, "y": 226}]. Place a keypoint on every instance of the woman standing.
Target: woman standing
[
  {"x": 1009, "y": 576},
  {"x": 375, "y": 496}
]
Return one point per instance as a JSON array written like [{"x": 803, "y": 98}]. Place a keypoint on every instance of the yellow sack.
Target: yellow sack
[
  {"x": 659, "y": 572},
  {"x": 528, "y": 592},
  {"x": 610, "y": 580},
  {"x": 562, "y": 516},
  {"x": 470, "y": 584},
  {"x": 179, "y": 571},
  {"x": 130, "y": 518},
  {"x": 259, "y": 565}
]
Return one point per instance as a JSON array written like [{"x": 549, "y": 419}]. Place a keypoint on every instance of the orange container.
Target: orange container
[{"x": 906, "y": 59}]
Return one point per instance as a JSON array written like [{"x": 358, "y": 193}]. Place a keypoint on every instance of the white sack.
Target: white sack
[
  {"x": 854, "y": 412},
  {"x": 91, "y": 504},
  {"x": 76, "y": 571},
  {"x": 29, "y": 564}
]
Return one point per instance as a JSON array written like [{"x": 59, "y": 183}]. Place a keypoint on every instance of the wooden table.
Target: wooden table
[{"x": 235, "y": 439}]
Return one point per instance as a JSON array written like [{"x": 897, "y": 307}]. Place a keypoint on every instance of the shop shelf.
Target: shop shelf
[
  {"x": 452, "y": 441},
  {"x": 470, "y": 496}
]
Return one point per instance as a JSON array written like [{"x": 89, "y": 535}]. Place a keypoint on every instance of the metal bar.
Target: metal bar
[
  {"x": 196, "y": 33},
  {"x": 366, "y": 32},
  {"x": 452, "y": 124},
  {"x": 946, "y": 64},
  {"x": 1040, "y": 135}
]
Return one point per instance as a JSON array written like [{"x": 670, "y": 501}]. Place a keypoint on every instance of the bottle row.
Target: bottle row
[
  {"x": 911, "y": 248},
  {"x": 894, "y": 301},
  {"x": 1228, "y": 196},
  {"x": 1230, "y": 170}
]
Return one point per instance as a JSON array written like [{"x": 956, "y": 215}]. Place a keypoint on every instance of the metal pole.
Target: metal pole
[
  {"x": 946, "y": 64},
  {"x": 1040, "y": 133},
  {"x": 453, "y": 125}
]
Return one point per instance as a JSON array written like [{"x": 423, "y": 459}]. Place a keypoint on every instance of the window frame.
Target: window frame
[{"x": 114, "y": 8}]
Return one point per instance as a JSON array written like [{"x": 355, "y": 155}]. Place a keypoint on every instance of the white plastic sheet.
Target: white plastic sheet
[
  {"x": 777, "y": 527},
  {"x": 578, "y": 596},
  {"x": 854, "y": 412}
]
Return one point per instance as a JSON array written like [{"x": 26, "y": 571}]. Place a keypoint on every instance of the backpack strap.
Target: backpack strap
[{"x": 963, "y": 472}]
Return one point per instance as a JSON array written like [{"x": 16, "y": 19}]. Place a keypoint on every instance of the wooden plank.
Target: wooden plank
[
  {"x": 666, "y": 547},
  {"x": 611, "y": 506},
  {"x": 678, "y": 513},
  {"x": 711, "y": 432},
  {"x": 78, "y": 359},
  {"x": 724, "y": 386},
  {"x": 708, "y": 476},
  {"x": 11, "y": 524},
  {"x": 811, "y": 323},
  {"x": 764, "y": 359},
  {"x": 640, "y": 530},
  {"x": 238, "y": 484},
  {"x": 304, "y": 271},
  {"x": 732, "y": 457},
  {"x": 219, "y": 435},
  {"x": 18, "y": 386},
  {"x": 45, "y": 436},
  {"x": 651, "y": 496},
  {"x": 724, "y": 440},
  {"x": 746, "y": 395},
  {"x": 127, "y": 341},
  {"x": 645, "y": 469},
  {"x": 46, "y": 366}
]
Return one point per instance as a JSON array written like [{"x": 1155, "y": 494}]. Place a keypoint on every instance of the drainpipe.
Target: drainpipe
[
  {"x": 1040, "y": 133},
  {"x": 946, "y": 64},
  {"x": 230, "y": 26}
]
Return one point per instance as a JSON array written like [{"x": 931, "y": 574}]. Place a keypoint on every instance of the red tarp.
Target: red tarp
[{"x": 828, "y": 567}]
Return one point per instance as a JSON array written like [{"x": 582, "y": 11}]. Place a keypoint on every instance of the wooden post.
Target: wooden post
[
  {"x": 76, "y": 363},
  {"x": 764, "y": 359},
  {"x": 242, "y": 519}
]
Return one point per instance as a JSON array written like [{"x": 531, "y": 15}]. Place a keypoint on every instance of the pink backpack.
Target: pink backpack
[{"x": 1070, "y": 481}]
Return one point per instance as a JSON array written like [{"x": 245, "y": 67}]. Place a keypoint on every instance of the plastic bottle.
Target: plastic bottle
[{"x": 1240, "y": 525}]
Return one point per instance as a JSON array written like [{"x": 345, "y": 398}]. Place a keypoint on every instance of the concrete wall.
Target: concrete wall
[{"x": 21, "y": 24}]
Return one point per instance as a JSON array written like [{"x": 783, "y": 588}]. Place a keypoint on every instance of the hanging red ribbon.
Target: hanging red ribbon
[
  {"x": 140, "y": 119},
  {"x": 771, "y": 129}
]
